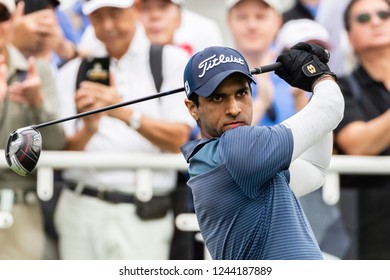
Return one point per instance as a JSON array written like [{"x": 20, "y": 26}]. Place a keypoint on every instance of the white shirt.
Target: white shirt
[
  {"x": 134, "y": 80},
  {"x": 198, "y": 31}
]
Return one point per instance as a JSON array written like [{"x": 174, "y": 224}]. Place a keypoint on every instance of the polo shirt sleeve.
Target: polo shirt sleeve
[{"x": 253, "y": 155}]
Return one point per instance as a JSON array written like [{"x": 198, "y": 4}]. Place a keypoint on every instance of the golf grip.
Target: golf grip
[
  {"x": 256, "y": 71},
  {"x": 266, "y": 68}
]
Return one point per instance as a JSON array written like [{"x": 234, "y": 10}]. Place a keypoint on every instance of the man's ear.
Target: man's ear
[{"x": 192, "y": 109}]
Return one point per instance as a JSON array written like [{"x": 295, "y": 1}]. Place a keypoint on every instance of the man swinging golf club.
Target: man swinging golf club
[
  {"x": 257, "y": 172},
  {"x": 245, "y": 179}
]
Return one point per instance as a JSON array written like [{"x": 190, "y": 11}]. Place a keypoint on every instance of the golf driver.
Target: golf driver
[{"x": 24, "y": 145}]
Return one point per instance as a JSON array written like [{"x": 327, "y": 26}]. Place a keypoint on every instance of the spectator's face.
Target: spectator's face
[
  {"x": 115, "y": 27},
  {"x": 228, "y": 107},
  {"x": 5, "y": 27},
  {"x": 369, "y": 25},
  {"x": 161, "y": 18},
  {"x": 253, "y": 25}
]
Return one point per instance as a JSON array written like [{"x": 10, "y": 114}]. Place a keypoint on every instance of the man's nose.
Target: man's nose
[
  {"x": 107, "y": 23},
  {"x": 233, "y": 107}
]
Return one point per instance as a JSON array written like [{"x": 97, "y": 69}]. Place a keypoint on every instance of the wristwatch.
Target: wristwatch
[{"x": 135, "y": 120}]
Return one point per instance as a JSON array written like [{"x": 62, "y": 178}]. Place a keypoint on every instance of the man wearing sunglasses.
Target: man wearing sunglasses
[
  {"x": 366, "y": 125},
  {"x": 27, "y": 96}
]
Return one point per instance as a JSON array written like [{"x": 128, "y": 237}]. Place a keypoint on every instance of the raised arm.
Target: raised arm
[{"x": 312, "y": 127}]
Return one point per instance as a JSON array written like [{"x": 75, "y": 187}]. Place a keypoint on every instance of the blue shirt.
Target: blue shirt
[
  {"x": 283, "y": 104},
  {"x": 243, "y": 201}
]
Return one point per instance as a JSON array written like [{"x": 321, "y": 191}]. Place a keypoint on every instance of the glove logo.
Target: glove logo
[
  {"x": 187, "y": 88},
  {"x": 311, "y": 69}
]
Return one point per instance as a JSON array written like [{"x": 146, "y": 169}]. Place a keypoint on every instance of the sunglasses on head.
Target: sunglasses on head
[
  {"x": 4, "y": 14},
  {"x": 366, "y": 17}
]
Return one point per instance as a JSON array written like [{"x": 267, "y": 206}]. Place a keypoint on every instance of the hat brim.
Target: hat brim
[
  {"x": 91, "y": 6},
  {"x": 9, "y": 5},
  {"x": 209, "y": 87}
]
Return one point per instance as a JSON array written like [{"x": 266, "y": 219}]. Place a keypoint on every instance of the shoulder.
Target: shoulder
[
  {"x": 197, "y": 20},
  {"x": 71, "y": 66},
  {"x": 16, "y": 58},
  {"x": 174, "y": 53},
  {"x": 191, "y": 148},
  {"x": 352, "y": 83},
  {"x": 244, "y": 133},
  {"x": 174, "y": 60},
  {"x": 42, "y": 66},
  {"x": 249, "y": 140},
  {"x": 198, "y": 31}
]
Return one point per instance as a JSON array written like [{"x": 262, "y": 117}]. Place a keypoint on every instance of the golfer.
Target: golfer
[{"x": 246, "y": 179}]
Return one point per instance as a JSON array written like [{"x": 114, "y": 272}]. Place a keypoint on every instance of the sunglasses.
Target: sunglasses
[
  {"x": 4, "y": 15},
  {"x": 366, "y": 17}
]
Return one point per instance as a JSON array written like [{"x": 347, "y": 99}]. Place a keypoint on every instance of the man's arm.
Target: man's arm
[
  {"x": 312, "y": 133},
  {"x": 304, "y": 66},
  {"x": 307, "y": 173},
  {"x": 320, "y": 116}
]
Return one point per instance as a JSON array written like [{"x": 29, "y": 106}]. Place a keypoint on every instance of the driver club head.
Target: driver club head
[{"x": 23, "y": 149}]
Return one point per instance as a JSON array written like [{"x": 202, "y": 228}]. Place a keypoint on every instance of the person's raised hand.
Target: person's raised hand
[
  {"x": 32, "y": 86},
  {"x": 303, "y": 65}
]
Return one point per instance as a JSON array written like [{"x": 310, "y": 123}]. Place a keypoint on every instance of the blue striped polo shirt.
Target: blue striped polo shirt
[{"x": 243, "y": 201}]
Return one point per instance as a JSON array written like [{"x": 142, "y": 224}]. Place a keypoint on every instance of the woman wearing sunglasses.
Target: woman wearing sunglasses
[{"x": 365, "y": 129}]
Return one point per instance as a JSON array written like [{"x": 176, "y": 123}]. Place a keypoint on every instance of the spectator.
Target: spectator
[
  {"x": 78, "y": 20},
  {"x": 302, "y": 9},
  {"x": 100, "y": 214},
  {"x": 341, "y": 60},
  {"x": 364, "y": 129},
  {"x": 30, "y": 98},
  {"x": 38, "y": 32},
  {"x": 301, "y": 30},
  {"x": 185, "y": 28},
  {"x": 161, "y": 19},
  {"x": 254, "y": 25},
  {"x": 197, "y": 32}
]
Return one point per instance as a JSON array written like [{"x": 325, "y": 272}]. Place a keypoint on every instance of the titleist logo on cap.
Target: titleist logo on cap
[{"x": 213, "y": 61}]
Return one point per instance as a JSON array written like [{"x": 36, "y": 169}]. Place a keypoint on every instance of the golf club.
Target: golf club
[{"x": 24, "y": 145}]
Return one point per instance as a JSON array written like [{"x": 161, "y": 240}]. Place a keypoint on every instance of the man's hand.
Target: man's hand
[
  {"x": 303, "y": 64},
  {"x": 30, "y": 90}
]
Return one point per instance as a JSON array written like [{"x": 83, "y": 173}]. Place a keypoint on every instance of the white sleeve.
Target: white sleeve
[
  {"x": 307, "y": 173},
  {"x": 312, "y": 132},
  {"x": 319, "y": 117}
]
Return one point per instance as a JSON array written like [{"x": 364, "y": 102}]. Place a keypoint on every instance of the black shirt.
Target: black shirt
[
  {"x": 298, "y": 11},
  {"x": 365, "y": 101}
]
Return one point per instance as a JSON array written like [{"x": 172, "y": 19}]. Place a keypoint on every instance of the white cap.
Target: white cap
[
  {"x": 275, "y": 4},
  {"x": 177, "y": 2},
  {"x": 90, "y": 6},
  {"x": 9, "y": 4},
  {"x": 301, "y": 30}
]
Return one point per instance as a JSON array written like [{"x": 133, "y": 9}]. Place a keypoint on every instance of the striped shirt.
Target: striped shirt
[{"x": 243, "y": 202}]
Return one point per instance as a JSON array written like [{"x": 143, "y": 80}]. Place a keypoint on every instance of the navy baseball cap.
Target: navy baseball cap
[{"x": 208, "y": 68}]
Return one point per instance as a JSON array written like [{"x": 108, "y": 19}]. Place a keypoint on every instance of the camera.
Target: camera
[{"x": 94, "y": 69}]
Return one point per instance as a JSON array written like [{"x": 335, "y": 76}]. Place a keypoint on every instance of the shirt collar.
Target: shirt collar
[{"x": 16, "y": 61}]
